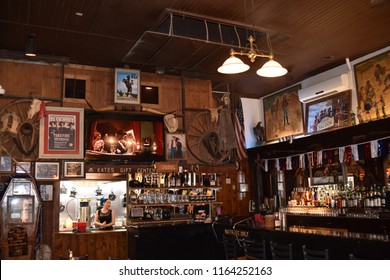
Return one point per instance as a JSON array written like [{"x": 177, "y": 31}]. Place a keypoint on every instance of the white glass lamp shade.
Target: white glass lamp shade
[
  {"x": 233, "y": 65},
  {"x": 271, "y": 69}
]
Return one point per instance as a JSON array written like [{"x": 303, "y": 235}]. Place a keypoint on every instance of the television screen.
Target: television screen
[{"x": 124, "y": 137}]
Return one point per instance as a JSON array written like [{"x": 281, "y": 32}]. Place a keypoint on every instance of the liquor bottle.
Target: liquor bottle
[{"x": 166, "y": 180}]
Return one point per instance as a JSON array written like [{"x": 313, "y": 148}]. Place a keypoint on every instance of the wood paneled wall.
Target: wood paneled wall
[{"x": 177, "y": 94}]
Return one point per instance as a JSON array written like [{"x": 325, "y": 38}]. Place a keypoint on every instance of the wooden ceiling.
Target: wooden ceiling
[{"x": 308, "y": 37}]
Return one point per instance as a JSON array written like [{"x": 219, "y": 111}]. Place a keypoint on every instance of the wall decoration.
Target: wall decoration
[
  {"x": 372, "y": 78},
  {"x": 61, "y": 133},
  {"x": 46, "y": 192},
  {"x": 328, "y": 113},
  {"x": 72, "y": 169},
  {"x": 176, "y": 146},
  {"x": 127, "y": 86},
  {"x": 283, "y": 114},
  {"x": 47, "y": 170},
  {"x": 5, "y": 164},
  {"x": 23, "y": 167}
]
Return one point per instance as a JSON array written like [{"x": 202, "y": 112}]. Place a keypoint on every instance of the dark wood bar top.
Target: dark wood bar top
[
  {"x": 340, "y": 242},
  {"x": 93, "y": 231}
]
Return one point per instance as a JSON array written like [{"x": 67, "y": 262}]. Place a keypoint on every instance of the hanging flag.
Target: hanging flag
[{"x": 239, "y": 129}]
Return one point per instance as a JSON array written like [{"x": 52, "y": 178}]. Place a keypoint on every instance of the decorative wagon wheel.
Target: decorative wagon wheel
[
  {"x": 203, "y": 140},
  {"x": 19, "y": 134}
]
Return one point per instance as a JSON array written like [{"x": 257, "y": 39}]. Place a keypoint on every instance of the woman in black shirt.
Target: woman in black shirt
[{"x": 105, "y": 217}]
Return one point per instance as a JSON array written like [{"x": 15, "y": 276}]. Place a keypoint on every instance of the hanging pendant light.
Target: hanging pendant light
[
  {"x": 271, "y": 69},
  {"x": 233, "y": 65},
  {"x": 30, "y": 46}
]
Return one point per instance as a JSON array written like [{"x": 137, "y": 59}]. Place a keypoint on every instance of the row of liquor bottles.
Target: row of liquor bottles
[
  {"x": 183, "y": 178},
  {"x": 340, "y": 196}
]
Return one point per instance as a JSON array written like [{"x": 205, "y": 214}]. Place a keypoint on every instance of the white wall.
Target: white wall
[{"x": 252, "y": 112}]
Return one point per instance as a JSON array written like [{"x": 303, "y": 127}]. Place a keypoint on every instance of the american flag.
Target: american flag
[{"x": 239, "y": 129}]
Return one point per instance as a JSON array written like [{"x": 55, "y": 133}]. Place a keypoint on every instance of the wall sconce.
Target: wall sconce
[
  {"x": 2, "y": 91},
  {"x": 30, "y": 46}
]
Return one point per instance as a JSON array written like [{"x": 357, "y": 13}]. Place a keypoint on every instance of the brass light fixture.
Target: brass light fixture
[
  {"x": 30, "y": 46},
  {"x": 234, "y": 65}
]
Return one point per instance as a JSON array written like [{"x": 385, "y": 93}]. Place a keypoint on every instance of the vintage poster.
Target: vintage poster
[{"x": 61, "y": 133}]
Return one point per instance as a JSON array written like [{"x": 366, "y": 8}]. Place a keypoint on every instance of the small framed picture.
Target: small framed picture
[
  {"x": 47, "y": 170},
  {"x": 329, "y": 113},
  {"x": 176, "y": 146},
  {"x": 46, "y": 192},
  {"x": 73, "y": 169},
  {"x": 127, "y": 86},
  {"x": 5, "y": 164},
  {"x": 23, "y": 167}
]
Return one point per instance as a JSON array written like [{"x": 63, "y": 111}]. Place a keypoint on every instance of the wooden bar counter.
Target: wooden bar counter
[
  {"x": 97, "y": 244},
  {"x": 340, "y": 242}
]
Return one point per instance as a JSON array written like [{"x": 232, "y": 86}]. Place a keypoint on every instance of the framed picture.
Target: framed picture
[
  {"x": 46, "y": 192},
  {"x": 5, "y": 164},
  {"x": 329, "y": 113},
  {"x": 176, "y": 146},
  {"x": 373, "y": 87},
  {"x": 23, "y": 167},
  {"x": 47, "y": 170},
  {"x": 61, "y": 133},
  {"x": 283, "y": 114},
  {"x": 127, "y": 86},
  {"x": 72, "y": 169}
]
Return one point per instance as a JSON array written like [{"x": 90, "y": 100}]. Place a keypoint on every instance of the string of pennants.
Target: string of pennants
[{"x": 345, "y": 154}]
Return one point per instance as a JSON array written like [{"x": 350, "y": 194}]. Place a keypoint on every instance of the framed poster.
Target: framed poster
[
  {"x": 5, "y": 164},
  {"x": 73, "y": 169},
  {"x": 329, "y": 113},
  {"x": 283, "y": 114},
  {"x": 61, "y": 133},
  {"x": 372, "y": 79},
  {"x": 23, "y": 167},
  {"x": 127, "y": 86},
  {"x": 176, "y": 146},
  {"x": 47, "y": 170}
]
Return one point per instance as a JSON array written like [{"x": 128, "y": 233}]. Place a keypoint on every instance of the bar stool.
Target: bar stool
[
  {"x": 254, "y": 249},
  {"x": 230, "y": 246},
  {"x": 314, "y": 254},
  {"x": 281, "y": 251}
]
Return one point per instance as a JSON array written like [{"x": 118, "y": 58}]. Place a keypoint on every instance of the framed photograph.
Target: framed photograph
[
  {"x": 47, "y": 170},
  {"x": 73, "y": 169},
  {"x": 127, "y": 86},
  {"x": 61, "y": 133},
  {"x": 283, "y": 114},
  {"x": 329, "y": 113},
  {"x": 5, "y": 164},
  {"x": 373, "y": 87},
  {"x": 46, "y": 192},
  {"x": 176, "y": 146},
  {"x": 23, "y": 167},
  {"x": 21, "y": 187}
]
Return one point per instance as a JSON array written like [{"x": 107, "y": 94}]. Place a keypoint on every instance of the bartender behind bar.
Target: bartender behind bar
[{"x": 105, "y": 217}]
